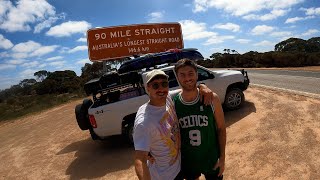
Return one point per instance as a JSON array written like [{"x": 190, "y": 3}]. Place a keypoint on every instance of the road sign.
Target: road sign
[{"x": 122, "y": 41}]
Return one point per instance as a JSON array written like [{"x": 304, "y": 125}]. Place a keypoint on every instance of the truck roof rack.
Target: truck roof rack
[{"x": 151, "y": 60}]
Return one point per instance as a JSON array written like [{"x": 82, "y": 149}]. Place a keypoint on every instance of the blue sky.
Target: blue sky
[{"x": 51, "y": 35}]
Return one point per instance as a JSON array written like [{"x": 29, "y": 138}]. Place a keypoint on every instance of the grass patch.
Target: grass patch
[{"x": 16, "y": 107}]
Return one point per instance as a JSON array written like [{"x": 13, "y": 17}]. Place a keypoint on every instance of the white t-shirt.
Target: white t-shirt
[{"x": 156, "y": 130}]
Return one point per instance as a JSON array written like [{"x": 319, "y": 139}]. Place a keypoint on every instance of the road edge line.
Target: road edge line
[{"x": 312, "y": 95}]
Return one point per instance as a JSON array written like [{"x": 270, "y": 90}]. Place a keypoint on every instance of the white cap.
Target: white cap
[{"x": 156, "y": 72}]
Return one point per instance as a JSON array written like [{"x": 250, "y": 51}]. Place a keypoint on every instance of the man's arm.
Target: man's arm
[
  {"x": 221, "y": 128},
  {"x": 140, "y": 164},
  {"x": 206, "y": 93}
]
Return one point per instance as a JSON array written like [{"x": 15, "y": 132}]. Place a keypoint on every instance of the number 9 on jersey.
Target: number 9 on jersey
[{"x": 195, "y": 137}]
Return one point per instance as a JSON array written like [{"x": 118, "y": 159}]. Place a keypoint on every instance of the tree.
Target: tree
[
  {"x": 60, "y": 82},
  {"x": 299, "y": 45},
  {"x": 41, "y": 75},
  {"x": 234, "y": 51},
  {"x": 216, "y": 56},
  {"x": 91, "y": 71},
  {"x": 313, "y": 45},
  {"x": 226, "y": 51},
  {"x": 27, "y": 82}
]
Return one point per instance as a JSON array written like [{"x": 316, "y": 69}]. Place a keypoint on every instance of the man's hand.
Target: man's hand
[
  {"x": 206, "y": 94},
  {"x": 220, "y": 165},
  {"x": 140, "y": 164},
  {"x": 151, "y": 158}
]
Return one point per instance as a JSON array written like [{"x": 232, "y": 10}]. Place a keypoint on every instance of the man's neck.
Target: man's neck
[
  {"x": 189, "y": 96},
  {"x": 157, "y": 103}
]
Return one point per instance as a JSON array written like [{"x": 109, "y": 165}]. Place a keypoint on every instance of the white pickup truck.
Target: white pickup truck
[{"x": 116, "y": 100}]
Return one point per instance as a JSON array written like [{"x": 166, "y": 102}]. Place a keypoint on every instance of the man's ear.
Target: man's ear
[{"x": 147, "y": 89}]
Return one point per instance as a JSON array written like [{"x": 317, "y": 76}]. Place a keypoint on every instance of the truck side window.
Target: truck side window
[
  {"x": 202, "y": 75},
  {"x": 172, "y": 79}
]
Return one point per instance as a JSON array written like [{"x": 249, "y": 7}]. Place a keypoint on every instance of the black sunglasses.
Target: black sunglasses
[{"x": 156, "y": 86}]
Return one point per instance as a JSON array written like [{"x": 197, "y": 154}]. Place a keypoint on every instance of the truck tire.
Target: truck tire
[
  {"x": 234, "y": 99},
  {"x": 82, "y": 117},
  {"x": 130, "y": 133},
  {"x": 94, "y": 136},
  {"x": 87, "y": 103}
]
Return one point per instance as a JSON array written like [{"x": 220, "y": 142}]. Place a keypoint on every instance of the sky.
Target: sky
[{"x": 51, "y": 35}]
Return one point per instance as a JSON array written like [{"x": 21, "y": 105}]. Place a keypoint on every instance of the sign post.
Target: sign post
[{"x": 116, "y": 42}]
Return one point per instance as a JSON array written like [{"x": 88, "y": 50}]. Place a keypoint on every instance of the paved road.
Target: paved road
[{"x": 293, "y": 80}]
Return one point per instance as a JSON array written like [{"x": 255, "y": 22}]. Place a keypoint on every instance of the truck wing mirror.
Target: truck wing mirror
[{"x": 211, "y": 76}]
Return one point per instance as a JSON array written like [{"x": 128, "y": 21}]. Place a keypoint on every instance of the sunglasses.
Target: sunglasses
[{"x": 156, "y": 86}]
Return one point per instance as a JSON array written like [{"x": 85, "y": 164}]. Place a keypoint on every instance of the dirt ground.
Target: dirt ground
[{"x": 275, "y": 135}]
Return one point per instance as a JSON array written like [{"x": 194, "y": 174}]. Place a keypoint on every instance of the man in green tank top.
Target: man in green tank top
[{"x": 202, "y": 128}]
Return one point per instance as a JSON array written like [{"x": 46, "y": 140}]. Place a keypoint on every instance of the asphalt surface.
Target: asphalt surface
[{"x": 303, "y": 81}]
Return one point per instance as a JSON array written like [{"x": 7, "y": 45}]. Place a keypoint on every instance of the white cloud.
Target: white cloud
[
  {"x": 281, "y": 34},
  {"x": 264, "y": 43},
  {"x": 261, "y": 29},
  {"x": 4, "y": 54},
  {"x": 243, "y": 41},
  {"x": 7, "y": 66},
  {"x": 57, "y": 63},
  {"x": 78, "y": 48},
  {"x": 311, "y": 11},
  {"x": 217, "y": 39},
  {"x": 155, "y": 16},
  {"x": 47, "y": 23},
  {"x": 192, "y": 30},
  {"x": 5, "y": 43},
  {"x": 31, "y": 49},
  {"x": 82, "y": 39},
  {"x": 84, "y": 61},
  {"x": 18, "y": 55},
  {"x": 42, "y": 65},
  {"x": 43, "y": 50},
  {"x": 228, "y": 26},
  {"x": 54, "y": 58},
  {"x": 16, "y": 61},
  {"x": 25, "y": 13},
  {"x": 28, "y": 73},
  {"x": 26, "y": 47},
  {"x": 243, "y": 7},
  {"x": 69, "y": 28},
  {"x": 30, "y": 64},
  {"x": 295, "y": 19},
  {"x": 275, "y": 13},
  {"x": 64, "y": 49},
  {"x": 5, "y": 6},
  {"x": 7, "y": 81},
  {"x": 310, "y": 32}
]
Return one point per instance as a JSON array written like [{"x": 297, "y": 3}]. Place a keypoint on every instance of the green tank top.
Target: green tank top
[{"x": 199, "y": 143}]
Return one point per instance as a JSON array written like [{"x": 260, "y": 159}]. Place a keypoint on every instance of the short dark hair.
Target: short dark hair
[{"x": 183, "y": 63}]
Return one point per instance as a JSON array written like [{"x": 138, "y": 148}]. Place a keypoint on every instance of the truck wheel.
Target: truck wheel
[
  {"x": 87, "y": 103},
  {"x": 94, "y": 136},
  {"x": 82, "y": 117},
  {"x": 130, "y": 133},
  {"x": 234, "y": 99}
]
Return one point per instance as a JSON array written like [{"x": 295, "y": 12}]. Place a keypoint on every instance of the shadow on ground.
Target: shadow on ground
[
  {"x": 232, "y": 117},
  {"x": 95, "y": 159}
]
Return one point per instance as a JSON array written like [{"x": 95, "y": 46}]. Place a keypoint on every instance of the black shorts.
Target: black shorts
[
  {"x": 179, "y": 176},
  {"x": 208, "y": 176}
]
